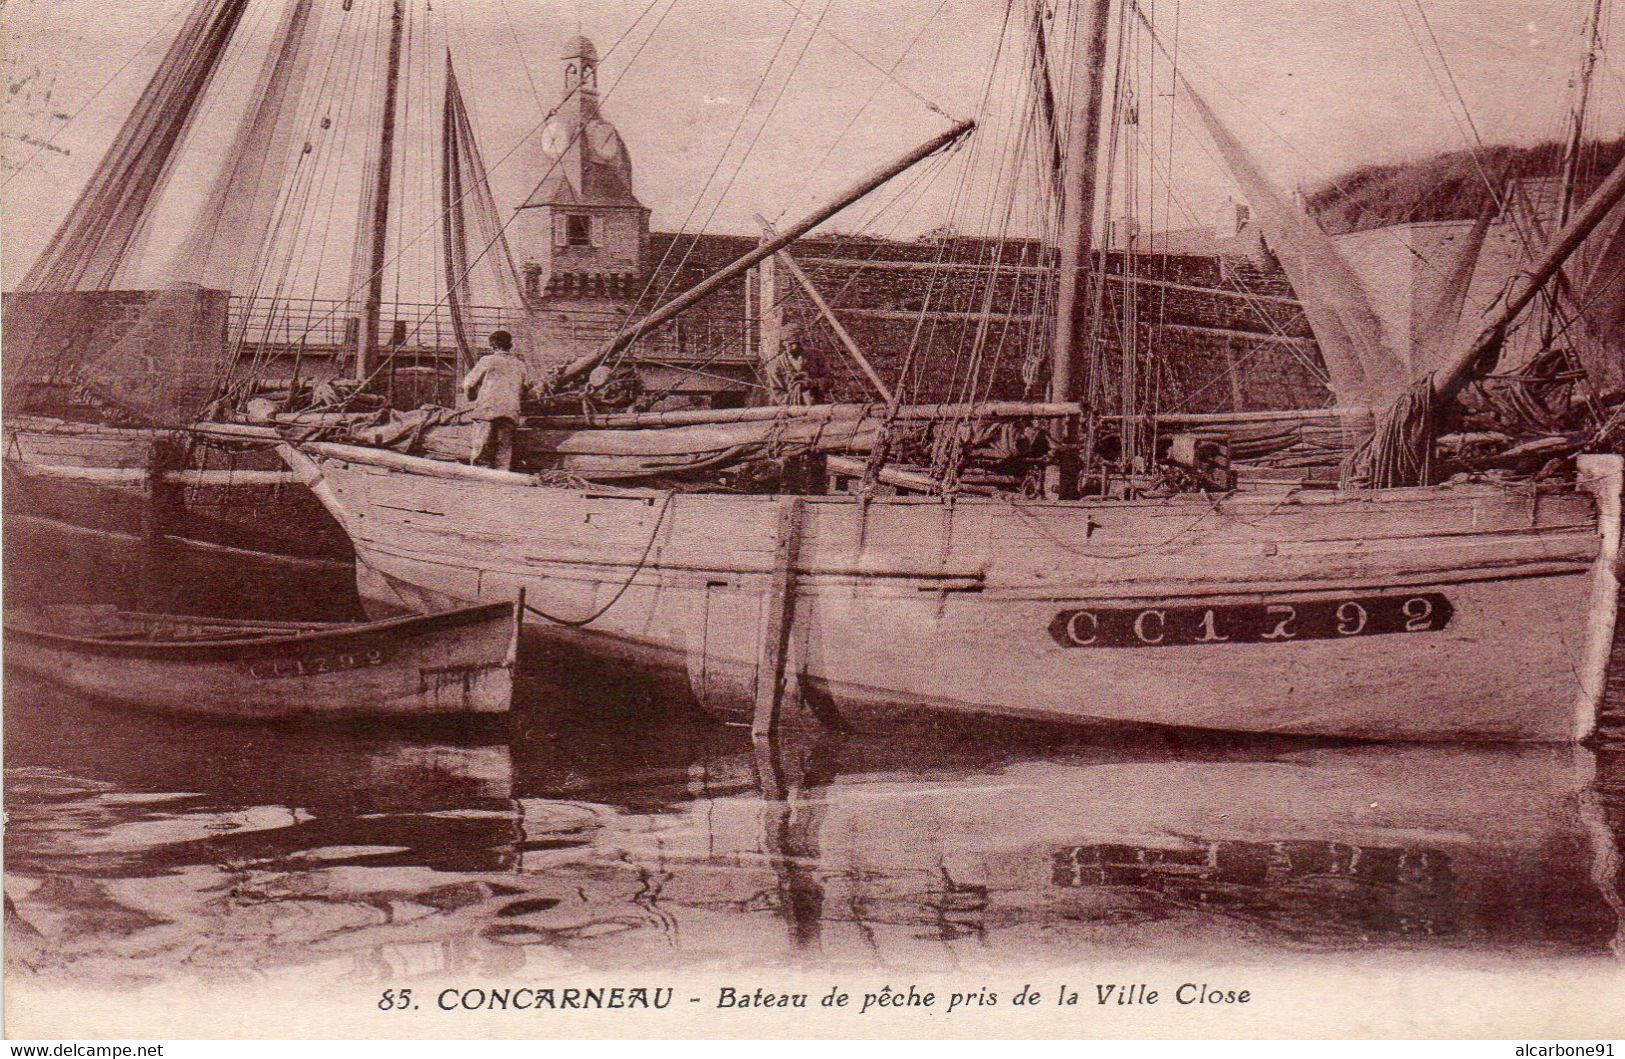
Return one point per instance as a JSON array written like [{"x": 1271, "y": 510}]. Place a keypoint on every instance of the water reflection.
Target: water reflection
[{"x": 141, "y": 849}]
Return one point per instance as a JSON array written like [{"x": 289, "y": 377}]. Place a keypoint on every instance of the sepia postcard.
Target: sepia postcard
[{"x": 813, "y": 518}]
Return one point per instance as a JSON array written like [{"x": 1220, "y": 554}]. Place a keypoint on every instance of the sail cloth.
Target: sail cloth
[
  {"x": 230, "y": 237},
  {"x": 157, "y": 356},
  {"x": 483, "y": 268},
  {"x": 1364, "y": 372},
  {"x": 88, "y": 250},
  {"x": 1044, "y": 94},
  {"x": 1438, "y": 321},
  {"x": 620, "y": 455}
]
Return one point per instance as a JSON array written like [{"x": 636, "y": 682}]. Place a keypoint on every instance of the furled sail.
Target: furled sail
[
  {"x": 1043, "y": 85},
  {"x": 484, "y": 266},
  {"x": 1364, "y": 372}
]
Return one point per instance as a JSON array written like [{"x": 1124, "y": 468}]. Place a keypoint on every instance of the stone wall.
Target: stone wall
[
  {"x": 1212, "y": 333},
  {"x": 153, "y": 356}
]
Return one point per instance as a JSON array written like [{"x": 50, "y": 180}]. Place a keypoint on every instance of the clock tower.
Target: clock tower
[{"x": 582, "y": 235}]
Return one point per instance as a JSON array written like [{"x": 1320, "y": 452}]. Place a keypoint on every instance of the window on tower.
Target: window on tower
[{"x": 578, "y": 230}]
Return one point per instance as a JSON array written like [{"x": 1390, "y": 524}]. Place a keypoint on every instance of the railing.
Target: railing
[
  {"x": 327, "y": 323},
  {"x": 322, "y": 324}
]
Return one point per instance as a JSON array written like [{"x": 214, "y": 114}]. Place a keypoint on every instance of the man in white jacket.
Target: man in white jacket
[{"x": 494, "y": 389}]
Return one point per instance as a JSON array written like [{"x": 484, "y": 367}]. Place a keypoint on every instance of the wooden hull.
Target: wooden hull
[
  {"x": 83, "y": 524},
  {"x": 1475, "y": 612},
  {"x": 457, "y": 662}
]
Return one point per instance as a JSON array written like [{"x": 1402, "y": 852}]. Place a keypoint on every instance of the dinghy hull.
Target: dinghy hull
[{"x": 449, "y": 663}]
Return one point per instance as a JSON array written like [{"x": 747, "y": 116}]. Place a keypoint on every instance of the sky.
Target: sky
[{"x": 737, "y": 107}]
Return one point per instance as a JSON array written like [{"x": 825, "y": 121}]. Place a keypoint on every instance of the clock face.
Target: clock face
[
  {"x": 605, "y": 144},
  {"x": 555, "y": 138}
]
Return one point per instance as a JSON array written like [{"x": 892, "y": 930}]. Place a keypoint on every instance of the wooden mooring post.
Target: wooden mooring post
[{"x": 781, "y": 602}]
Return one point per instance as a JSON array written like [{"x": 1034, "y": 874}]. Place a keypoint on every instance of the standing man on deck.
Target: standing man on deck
[{"x": 494, "y": 389}]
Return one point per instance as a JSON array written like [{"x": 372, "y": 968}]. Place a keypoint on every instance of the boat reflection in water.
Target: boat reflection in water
[{"x": 140, "y": 850}]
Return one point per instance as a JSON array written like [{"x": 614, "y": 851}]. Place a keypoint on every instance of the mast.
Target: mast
[
  {"x": 1577, "y": 118},
  {"x": 372, "y": 309},
  {"x": 1078, "y": 204},
  {"x": 1571, "y": 155}
]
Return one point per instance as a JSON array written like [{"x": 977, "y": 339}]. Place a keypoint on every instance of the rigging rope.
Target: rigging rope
[{"x": 643, "y": 560}]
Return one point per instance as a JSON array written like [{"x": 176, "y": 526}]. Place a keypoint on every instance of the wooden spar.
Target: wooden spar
[
  {"x": 1577, "y": 119},
  {"x": 1452, "y": 376},
  {"x": 781, "y": 602},
  {"x": 1078, "y": 203},
  {"x": 712, "y": 416},
  {"x": 700, "y": 291},
  {"x": 770, "y": 325},
  {"x": 367, "y": 339},
  {"x": 847, "y": 341},
  {"x": 851, "y": 467}
]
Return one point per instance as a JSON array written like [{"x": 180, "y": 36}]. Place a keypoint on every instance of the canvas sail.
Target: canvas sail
[
  {"x": 478, "y": 261},
  {"x": 1363, "y": 371},
  {"x": 234, "y": 227},
  {"x": 1437, "y": 321}
]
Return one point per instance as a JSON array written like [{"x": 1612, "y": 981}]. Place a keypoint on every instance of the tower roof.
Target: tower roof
[
  {"x": 580, "y": 48},
  {"x": 582, "y": 155}
]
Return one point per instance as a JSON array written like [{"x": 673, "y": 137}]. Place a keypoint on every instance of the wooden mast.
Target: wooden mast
[
  {"x": 1571, "y": 153},
  {"x": 372, "y": 309},
  {"x": 1571, "y": 157},
  {"x": 1078, "y": 180}
]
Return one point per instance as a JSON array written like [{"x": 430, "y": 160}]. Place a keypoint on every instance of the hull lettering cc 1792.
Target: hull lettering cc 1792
[{"x": 1263, "y": 622}]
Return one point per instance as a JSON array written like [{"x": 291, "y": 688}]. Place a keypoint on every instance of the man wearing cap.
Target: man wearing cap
[{"x": 494, "y": 389}]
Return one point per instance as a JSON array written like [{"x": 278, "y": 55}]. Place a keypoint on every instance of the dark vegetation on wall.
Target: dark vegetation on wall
[{"x": 1450, "y": 186}]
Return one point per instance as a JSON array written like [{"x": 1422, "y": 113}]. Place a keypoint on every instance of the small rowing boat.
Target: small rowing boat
[{"x": 458, "y": 661}]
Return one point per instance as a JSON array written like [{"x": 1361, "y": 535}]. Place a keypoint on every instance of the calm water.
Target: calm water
[{"x": 141, "y": 849}]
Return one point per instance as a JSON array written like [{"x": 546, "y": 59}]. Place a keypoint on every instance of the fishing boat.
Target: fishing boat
[
  {"x": 91, "y": 518},
  {"x": 456, "y": 662},
  {"x": 1470, "y": 612},
  {"x": 111, "y": 358},
  {"x": 1396, "y": 606}
]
